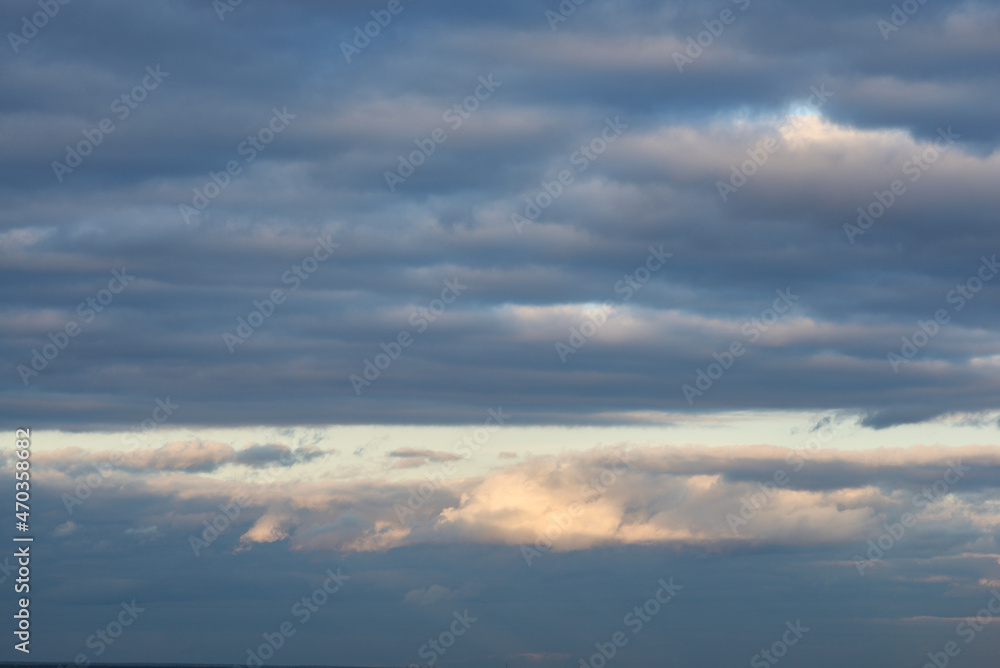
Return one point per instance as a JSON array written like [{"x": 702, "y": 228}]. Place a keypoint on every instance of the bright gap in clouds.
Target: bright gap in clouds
[{"x": 365, "y": 449}]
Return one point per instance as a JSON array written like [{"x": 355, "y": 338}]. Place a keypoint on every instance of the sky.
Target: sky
[{"x": 540, "y": 334}]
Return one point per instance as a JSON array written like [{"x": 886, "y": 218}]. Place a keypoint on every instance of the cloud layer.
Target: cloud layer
[
  {"x": 710, "y": 498},
  {"x": 619, "y": 212},
  {"x": 305, "y": 248},
  {"x": 756, "y": 535}
]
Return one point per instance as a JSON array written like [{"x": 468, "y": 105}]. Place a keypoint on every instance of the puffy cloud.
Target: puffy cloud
[
  {"x": 268, "y": 528},
  {"x": 713, "y": 498}
]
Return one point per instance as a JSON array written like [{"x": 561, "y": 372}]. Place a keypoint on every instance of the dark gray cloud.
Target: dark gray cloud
[
  {"x": 414, "y": 457},
  {"x": 323, "y": 176},
  {"x": 258, "y": 456}
]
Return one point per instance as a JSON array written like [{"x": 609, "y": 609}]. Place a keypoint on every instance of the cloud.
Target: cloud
[
  {"x": 656, "y": 184},
  {"x": 439, "y": 593},
  {"x": 713, "y": 498},
  {"x": 264, "y": 455},
  {"x": 269, "y": 528},
  {"x": 64, "y": 529},
  {"x": 429, "y": 596},
  {"x": 430, "y": 455},
  {"x": 609, "y": 521},
  {"x": 193, "y": 456},
  {"x": 416, "y": 457},
  {"x": 740, "y": 525},
  {"x": 144, "y": 534}
]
